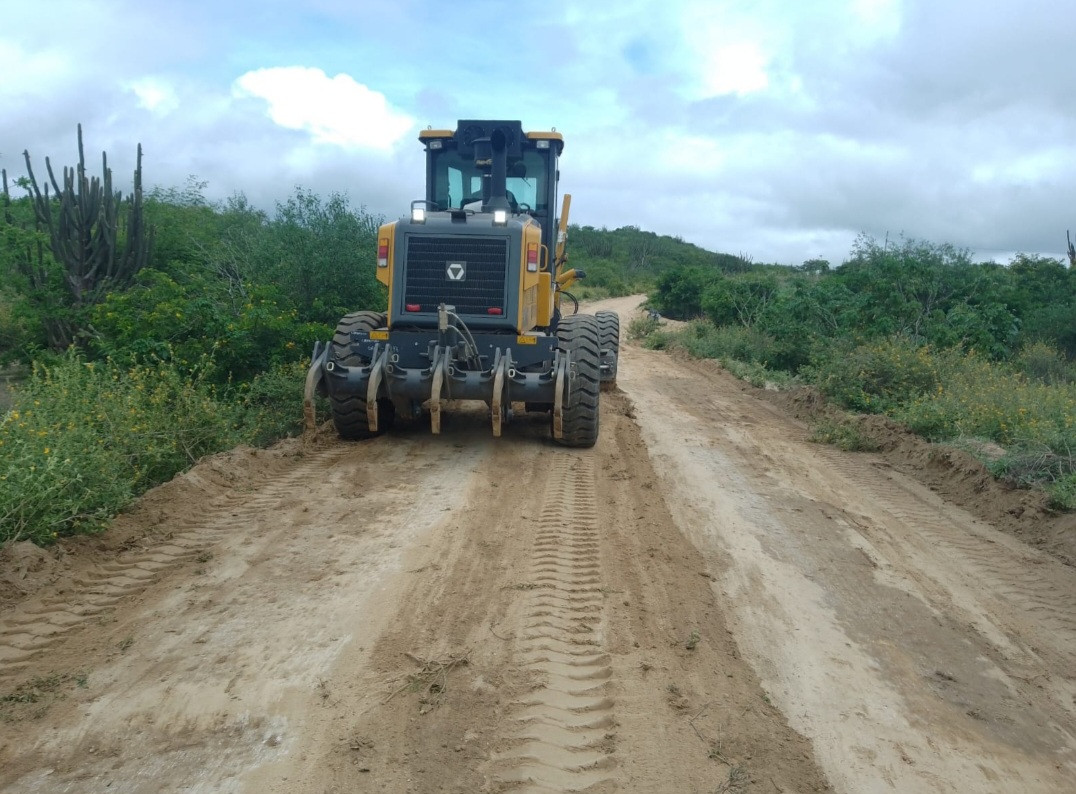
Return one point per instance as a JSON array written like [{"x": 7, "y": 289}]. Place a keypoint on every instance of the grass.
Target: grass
[
  {"x": 33, "y": 698},
  {"x": 741, "y": 351},
  {"x": 843, "y": 434},
  {"x": 84, "y": 439},
  {"x": 737, "y": 780}
]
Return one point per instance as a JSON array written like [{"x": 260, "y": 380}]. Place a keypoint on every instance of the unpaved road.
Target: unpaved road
[{"x": 703, "y": 602}]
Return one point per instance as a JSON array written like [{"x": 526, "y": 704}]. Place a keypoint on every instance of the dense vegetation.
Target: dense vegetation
[
  {"x": 959, "y": 351},
  {"x": 136, "y": 365}
]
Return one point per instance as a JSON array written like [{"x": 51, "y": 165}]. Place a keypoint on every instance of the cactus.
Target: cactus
[{"x": 97, "y": 250}]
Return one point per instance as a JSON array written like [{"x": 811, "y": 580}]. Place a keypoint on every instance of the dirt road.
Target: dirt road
[{"x": 703, "y": 602}]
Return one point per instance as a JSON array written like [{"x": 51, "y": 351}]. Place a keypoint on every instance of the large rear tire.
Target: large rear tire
[
  {"x": 349, "y": 410},
  {"x": 578, "y": 334},
  {"x": 609, "y": 339}
]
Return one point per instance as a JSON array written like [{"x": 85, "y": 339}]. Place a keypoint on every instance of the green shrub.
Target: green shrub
[
  {"x": 1033, "y": 464},
  {"x": 243, "y": 329},
  {"x": 1063, "y": 493},
  {"x": 878, "y": 377},
  {"x": 978, "y": 398},
  {"x": 756, "y": 374},
  {"x": 736, "y": 342},
  {"x": 85, "y": 438},
  {"x": 742, "y": 351},
  {"x": 272, "y": 404},
  {"x": 642, "y": 327},
  {"x": 1043, "y": 362}
]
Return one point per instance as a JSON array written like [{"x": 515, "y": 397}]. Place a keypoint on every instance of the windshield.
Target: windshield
[{"x": 457, "y": 182}]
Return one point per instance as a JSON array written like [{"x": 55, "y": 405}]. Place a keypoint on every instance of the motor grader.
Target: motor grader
[{"x": 478, "y": 307}]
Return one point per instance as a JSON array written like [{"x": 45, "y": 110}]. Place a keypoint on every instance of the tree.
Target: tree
[{"x": 679, "y": 292}]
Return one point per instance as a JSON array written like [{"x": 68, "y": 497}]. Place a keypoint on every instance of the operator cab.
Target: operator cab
[{"x": 458, "y": 176}]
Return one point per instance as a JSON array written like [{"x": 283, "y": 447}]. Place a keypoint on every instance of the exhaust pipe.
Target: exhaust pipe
[{"x": 493, "y": 152}]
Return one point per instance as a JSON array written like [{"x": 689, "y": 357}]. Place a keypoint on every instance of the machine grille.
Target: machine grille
[{"x": 427, "y": 281}]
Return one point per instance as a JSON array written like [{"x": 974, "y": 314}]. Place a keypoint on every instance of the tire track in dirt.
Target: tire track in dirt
[
  {"x": 1025, "y": 585},
  {"x": 1021, "y": 599},
  {"x": 218, "y": 666},
  {"x": 920, "y": 649},
  {"x": 39, "y": 624},
  {"x": 564, "y": 741},
  {"x": 557, "y": 634}
]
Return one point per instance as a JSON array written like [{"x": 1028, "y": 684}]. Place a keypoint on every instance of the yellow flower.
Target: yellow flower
[{"x": 47, "y": 450}]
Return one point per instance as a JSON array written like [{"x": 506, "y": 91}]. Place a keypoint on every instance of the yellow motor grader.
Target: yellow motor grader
[{"x": 477, "y": 310}]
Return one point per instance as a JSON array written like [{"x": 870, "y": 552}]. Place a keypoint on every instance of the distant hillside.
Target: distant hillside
[{"x": 626, "y": 260}]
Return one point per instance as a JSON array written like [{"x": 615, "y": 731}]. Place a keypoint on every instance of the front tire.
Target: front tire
[
  {"x": 579, "y": 334},
  {"x": 349, "y": 409}
]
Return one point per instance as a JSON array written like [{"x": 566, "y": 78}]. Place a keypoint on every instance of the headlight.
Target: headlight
[
  {"x": 418, "y": 215},
  {"x": 500, "y": 217}
]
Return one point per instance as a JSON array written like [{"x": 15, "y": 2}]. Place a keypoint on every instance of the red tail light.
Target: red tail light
[
  {"x": 494, "y": 310},
  {"x": 532, "y": 257},
  {"x": 383, "y": 252},
  {"x": 414, "y": 307}
]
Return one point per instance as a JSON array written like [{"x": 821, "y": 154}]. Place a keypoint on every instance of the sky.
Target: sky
[{"x": 773, "y": 129}]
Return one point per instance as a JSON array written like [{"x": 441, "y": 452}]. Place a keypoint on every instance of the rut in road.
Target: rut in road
[{"x": 565, "y": 741}]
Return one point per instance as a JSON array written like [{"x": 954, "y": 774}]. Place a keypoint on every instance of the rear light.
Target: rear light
[
  {"x": 414, "y": 307},
  {"x": 494, "y": 310},
  {"x": 532, "y": 257},
  {"x": 383, "y": 252}
]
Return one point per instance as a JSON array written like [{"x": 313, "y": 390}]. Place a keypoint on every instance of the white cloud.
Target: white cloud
[
  {"x": 878, "y": 18},
  {"x": 735, "y": 69},
  {"x": 727, "y": 53},
  {"x": 335, "y": 110},
  {"x": 41, "y": 71},
  {"x": 154, "y": 95}
]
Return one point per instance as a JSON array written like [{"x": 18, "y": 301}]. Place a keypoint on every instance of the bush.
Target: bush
[
  {"x": 85, "y": 438},
  {"x": 985, "y": 400},
  {"x": 878, "y": 377},
  {"x": 1063, "y": 493},
  {"x": 242, "y": 329},
  {"x": 742, "y": 351},
  {"x": 642, "y": 327},
  {"x": 678, "y": 293},
  {"x": 272, "y": 404},
  {"x": 1043, "y": 362},
  {"x": 735, "y": 342}
]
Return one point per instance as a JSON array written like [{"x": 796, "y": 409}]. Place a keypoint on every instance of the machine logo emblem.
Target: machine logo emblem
[{"x": 457, "y": 271}]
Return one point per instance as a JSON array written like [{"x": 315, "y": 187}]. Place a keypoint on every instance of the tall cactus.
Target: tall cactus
[{"x": 97, "y": 249}]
